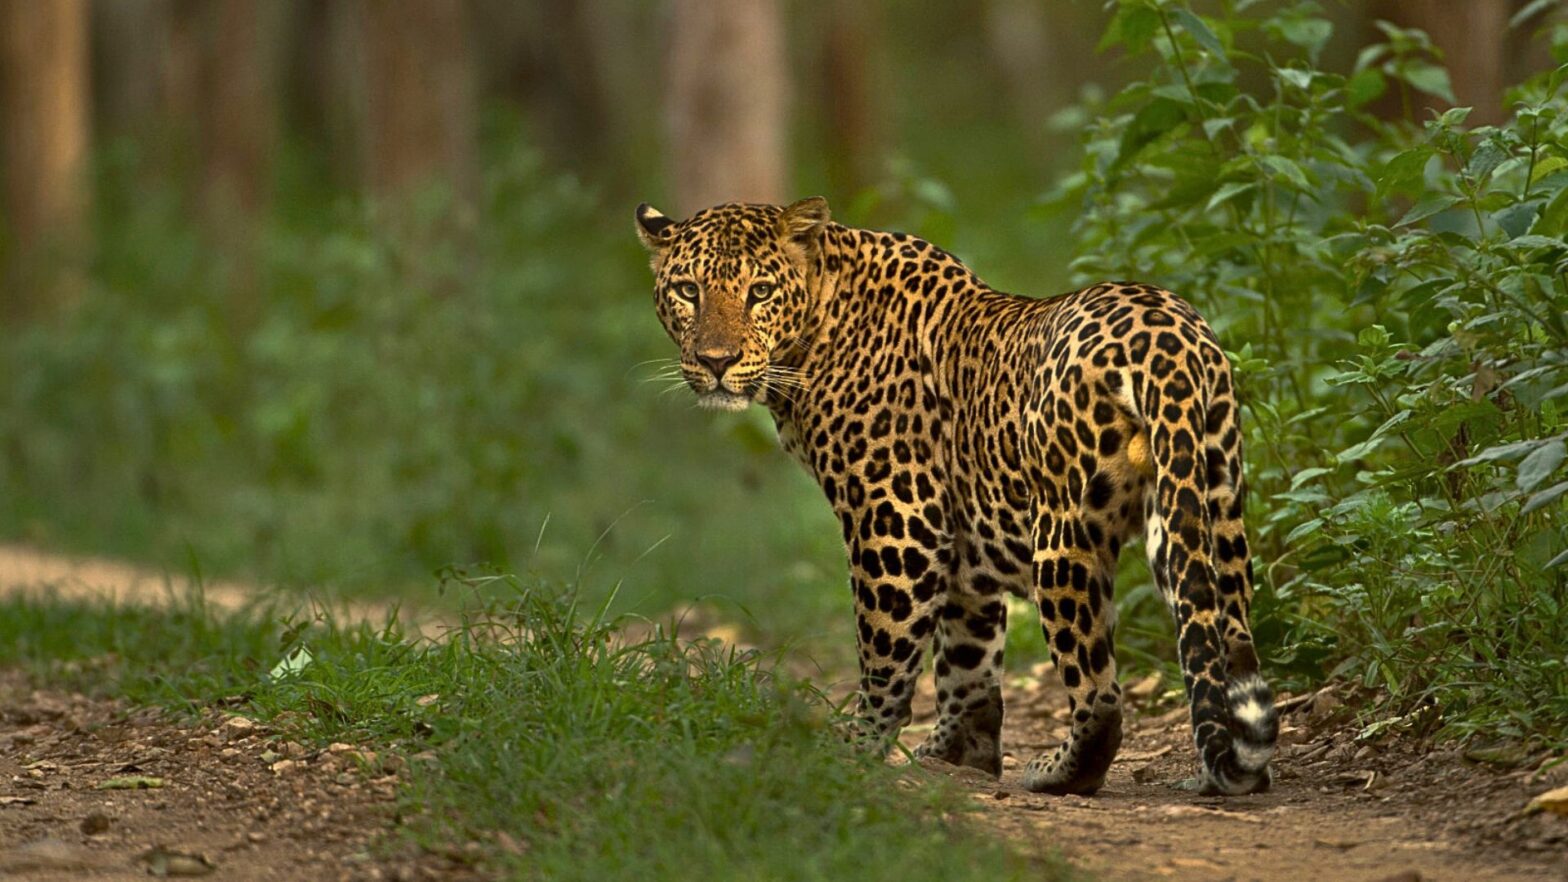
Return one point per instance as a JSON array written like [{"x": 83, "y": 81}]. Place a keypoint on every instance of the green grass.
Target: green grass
[{"x": 609, "y": 757}]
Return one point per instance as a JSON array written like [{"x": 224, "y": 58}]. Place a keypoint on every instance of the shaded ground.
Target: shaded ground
[
  {"x": 236, "y": 802},
  {"x": 231, "y": 801},
  {"x": 1339, "y": 809}
]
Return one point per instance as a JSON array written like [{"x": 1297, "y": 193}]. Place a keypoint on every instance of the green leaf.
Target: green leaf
[
  {"x": 1545, "y": 497},
  {"x": 1515, "y": 220},
  {"x": 1499, "y": 452},
  {"x": 1537, "y": 242},
  {"x": 1133, "y": 27},
  {"x": 1151, "y": 121},
  {"x": 1554, "y": 218},
  {"x": 1485, "y": 158},
  {"x": 1229, "y": 191},
  {"x": 1217, "y": 93},
  {"x": 1289, "y": 169},
  {"x": 1303, "y": 530},
  {"x": 1306, "y": 475},
  {"x": 1426, "y": 206},
  {"x": 1431, "y": 79},
  {"x": 1301, "y": 79},
  {"x": 1367, "y": 85},
  {"x": 1540, "y": 464},
  {"x": 1455, "y": 116},
  {"x": 1199, "y": 30},
  {"x": 1311, "y": 34},
  {"x": 1405, "y": 168},
  {"x": 1214, "y": 125},
  {"x": 1373, "y": 337},
  {"x": 1546, "y": 166},
  {"x": 1483, "y": 415},
  {"x": 1358, "y": 451}
]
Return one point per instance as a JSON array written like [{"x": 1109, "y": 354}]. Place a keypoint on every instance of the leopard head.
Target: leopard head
[{"x": 732, "y": 286}]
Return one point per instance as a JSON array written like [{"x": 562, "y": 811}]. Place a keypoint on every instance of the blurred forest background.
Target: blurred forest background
[{"x": 333, "y": 293}]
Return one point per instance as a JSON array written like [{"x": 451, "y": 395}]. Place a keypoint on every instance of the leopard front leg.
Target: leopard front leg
[
  {"x": 971, "y": 634},
  {"x": 898, "y": 568}
]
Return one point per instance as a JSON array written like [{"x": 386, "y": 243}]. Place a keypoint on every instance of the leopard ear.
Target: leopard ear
[
  {"x": 803, "y": 221},
  {"x": 653, "y": 228}
]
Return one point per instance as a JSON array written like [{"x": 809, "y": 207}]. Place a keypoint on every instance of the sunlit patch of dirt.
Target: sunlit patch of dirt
[
  {"x": 26, "y": 570},
  {"x": 1341, "y": 809}
]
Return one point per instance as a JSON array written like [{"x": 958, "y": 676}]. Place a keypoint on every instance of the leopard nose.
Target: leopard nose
[{"x": 718, "y": 363}]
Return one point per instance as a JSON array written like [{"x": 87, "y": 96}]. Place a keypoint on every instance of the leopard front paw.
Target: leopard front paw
[{"x": 975, "y": 750}]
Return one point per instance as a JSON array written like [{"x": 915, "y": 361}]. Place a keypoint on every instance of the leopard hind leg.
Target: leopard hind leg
[{"x": 1075, "y": 571}]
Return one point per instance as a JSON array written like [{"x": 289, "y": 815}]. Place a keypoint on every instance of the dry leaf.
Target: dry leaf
[
  {"x": 1554, "y": 801},
  {"x": 239, "y": 724},
  {"x": 1145, "y": 687}
]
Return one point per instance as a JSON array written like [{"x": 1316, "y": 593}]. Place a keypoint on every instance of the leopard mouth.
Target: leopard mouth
[{"x": 723, "y": 399}]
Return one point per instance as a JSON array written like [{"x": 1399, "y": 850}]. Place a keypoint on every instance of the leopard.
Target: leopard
[{"x": 975, "y": 443}]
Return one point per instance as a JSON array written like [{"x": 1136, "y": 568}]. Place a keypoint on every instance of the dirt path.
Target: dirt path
[
  {"x": 228, "y": 799},
  {"x": 1339, "y": 810},
  {"x": 233, "y": 801},
  {"x": 25, "y": 570}
]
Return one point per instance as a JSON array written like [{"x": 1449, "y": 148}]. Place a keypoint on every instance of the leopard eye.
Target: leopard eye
[
  {"x": 686, "y": 291},
  {"x": 761, "y": 292}
]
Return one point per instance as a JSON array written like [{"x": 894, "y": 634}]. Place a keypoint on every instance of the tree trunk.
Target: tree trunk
[
  {"x": 128, "y": 39},
  {"x": 727, "y": 103},
  {"x": 850, "y": 81},
  {"x": 238, "y": 109},
  {"x": 420, "y": 115},
  {"x": 1476, "y": 44},
  {"x": 324, "y": 85},
  {"x": 44, "y": 139}
]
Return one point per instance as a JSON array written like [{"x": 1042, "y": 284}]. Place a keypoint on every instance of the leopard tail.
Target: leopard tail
[{"x": 1199, "y": 552}]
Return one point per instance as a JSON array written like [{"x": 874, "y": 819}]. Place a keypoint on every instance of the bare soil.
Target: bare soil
[
  {"x": 228, "y": 798},
  {"x": 1340, "y": 809},
  {"x": 239, "y": 803}
]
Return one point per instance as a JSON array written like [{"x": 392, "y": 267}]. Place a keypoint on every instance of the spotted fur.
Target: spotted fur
[{"x": 973, "y": 442}]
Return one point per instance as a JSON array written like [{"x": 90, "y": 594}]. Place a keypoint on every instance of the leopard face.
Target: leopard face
[{"x": 731, "y": 287}]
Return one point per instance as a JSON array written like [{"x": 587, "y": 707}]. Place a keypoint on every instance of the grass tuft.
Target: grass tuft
[{"x": 602, "y": 755}]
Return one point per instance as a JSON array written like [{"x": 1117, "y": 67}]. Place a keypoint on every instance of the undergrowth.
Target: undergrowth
[
  {"x": 601, "y": 755},
  {"x": 1394, "y": 293}
]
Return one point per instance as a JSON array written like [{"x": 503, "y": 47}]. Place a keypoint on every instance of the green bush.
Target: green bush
[{"x": 1395, "y": 294}]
